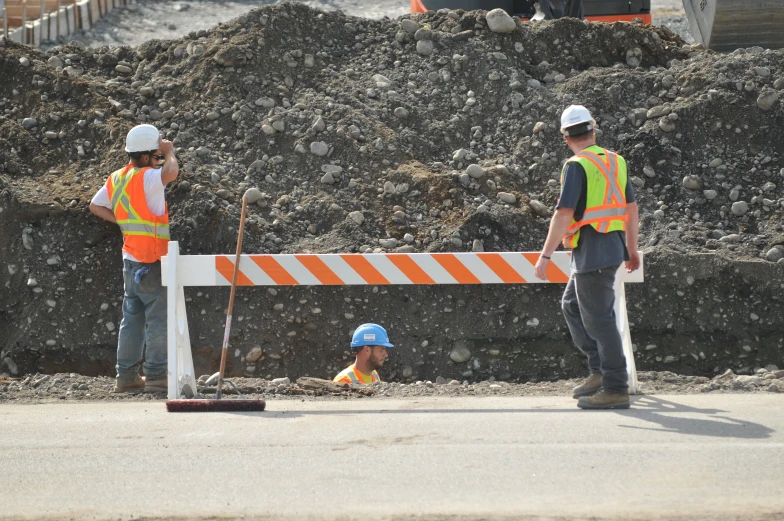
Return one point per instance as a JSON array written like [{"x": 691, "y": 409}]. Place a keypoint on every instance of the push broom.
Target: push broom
[{"x": 218, "y": 404}]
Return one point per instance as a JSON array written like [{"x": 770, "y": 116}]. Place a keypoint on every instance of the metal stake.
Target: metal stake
[{"x": 24, "y": 22}]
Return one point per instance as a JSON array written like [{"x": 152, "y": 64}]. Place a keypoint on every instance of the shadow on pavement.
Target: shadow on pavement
[
  {"x": 684, "y": 419},
  {"x": 670, "y": 416}
]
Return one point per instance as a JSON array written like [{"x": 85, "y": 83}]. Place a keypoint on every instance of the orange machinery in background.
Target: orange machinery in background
[{"x": 592, "y": 10}]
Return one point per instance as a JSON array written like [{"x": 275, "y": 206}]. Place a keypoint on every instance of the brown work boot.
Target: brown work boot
[
  {"x": 605, "y": 400},
  {"x": 590, "y": 386},
  {"x": 130, "y": 387},
  {"x": 159, "y": 385}
]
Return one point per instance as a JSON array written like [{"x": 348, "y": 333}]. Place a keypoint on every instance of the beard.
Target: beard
[{"x": 376, "y": 362}]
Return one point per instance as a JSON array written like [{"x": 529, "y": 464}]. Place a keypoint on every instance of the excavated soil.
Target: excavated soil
[
  {"x": 41, "y": 388},
  {"x": 356, "y": 135}
]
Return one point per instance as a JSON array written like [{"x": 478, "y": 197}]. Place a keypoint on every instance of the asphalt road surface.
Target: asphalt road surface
[{"x": 697, "y": 457}]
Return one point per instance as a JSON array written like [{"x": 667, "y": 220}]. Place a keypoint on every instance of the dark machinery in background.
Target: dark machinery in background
[
  {"x": 722, "y": 25},
  {"x": 593, "y": 10}
]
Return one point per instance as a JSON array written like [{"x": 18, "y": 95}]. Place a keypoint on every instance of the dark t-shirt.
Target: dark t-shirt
[{"x": 594, "y": 250}]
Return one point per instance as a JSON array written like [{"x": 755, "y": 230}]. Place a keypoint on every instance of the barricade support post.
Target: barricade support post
[
  {"x": 179, "y": 271},
  {"x": 181, "y": 375}
]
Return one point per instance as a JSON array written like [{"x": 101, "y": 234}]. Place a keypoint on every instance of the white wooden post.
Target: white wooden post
[
  {"x": 622, "y": 321},
  {"x": 181, "y": 374}
]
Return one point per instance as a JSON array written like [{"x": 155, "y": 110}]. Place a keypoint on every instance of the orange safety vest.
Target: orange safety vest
[
  {"x": 350, "y": 375},
  {"x": 605, "y": 201},
  {"x": 145, "y": 236}
]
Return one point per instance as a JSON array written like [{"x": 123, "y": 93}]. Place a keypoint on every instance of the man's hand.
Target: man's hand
[
  {"x": 559, "y": 225},
  {"x": 541, "y": 268},
  {"x": 633, "y": 263},
  {"x": 170, "y": 167},
  {"x": 166, "y": 147}
]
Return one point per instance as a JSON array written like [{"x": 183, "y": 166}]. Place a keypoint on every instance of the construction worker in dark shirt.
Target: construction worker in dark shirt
[{"x": 597, "y": 217}]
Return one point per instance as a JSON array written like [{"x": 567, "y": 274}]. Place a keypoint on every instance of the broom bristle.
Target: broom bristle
[{"x": 196, "y": 405}]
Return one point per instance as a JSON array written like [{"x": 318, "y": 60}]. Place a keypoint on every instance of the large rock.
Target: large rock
[
  {"x": 253, "y": 195},
  {"x": 539, "y": 208},
  {"x": 231, "y": 56},
  {"x": 425, "y": 47},
  {"x": 475, "y": 171},
  {"x": 767, "y": 99},
  {"x": 460, "y": 352},
  {"x": 499, "y": 21}
]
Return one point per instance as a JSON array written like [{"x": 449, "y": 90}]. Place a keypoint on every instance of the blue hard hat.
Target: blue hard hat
[{"x": 370, "y": 335}]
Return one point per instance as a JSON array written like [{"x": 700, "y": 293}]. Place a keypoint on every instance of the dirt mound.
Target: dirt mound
[{"x": 358, "y": 135}]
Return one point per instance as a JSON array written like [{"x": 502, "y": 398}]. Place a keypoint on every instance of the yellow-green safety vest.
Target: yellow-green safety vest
[{"x": 605, "y": 201}]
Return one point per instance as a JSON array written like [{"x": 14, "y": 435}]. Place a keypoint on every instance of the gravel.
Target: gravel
[
  {"x": 353, "y": 141},
  {"x": 42, "y": 388}
]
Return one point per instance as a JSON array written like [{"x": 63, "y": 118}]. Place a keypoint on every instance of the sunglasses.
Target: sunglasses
[{"x": 159, "y": 157}]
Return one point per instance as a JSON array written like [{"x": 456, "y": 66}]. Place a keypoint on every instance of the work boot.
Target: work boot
[
  {"x": 590, "y": 386},
  {"x": 130, "y": 387},
  {"x": 159, "y": 385},
  {"x": 605, "y": 400}
]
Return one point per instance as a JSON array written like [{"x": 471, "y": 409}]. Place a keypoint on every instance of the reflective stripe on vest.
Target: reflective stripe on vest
[
  {"x": 351, "y": 373},
  {"x": 605, "y": 201},
  {"x": 145, "y": 235}
]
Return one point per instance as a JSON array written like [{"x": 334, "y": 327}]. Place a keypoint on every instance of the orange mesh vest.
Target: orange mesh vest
[
  {"x": 350, "y": 375},
  {"x": 145, "y": 236}
]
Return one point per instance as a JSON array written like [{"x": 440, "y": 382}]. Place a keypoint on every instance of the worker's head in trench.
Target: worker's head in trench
[
  {"x": 370, "y": 343},
  {"x": 143, "y": 146}
]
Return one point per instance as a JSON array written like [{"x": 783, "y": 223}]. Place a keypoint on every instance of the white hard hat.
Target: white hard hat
[
  {"x": 142, "y": 138},
  {"x": 576, "y": 120}
]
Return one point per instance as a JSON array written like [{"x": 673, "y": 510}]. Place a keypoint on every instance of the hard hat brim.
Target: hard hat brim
[
  {"x": 579, "y": 128},
  {"x": 382, "y": 344}
]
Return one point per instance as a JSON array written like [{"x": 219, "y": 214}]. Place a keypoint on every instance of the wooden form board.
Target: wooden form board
[{"x": 44, "y": 21}]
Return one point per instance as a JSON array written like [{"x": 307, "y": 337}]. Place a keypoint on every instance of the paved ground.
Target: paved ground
[{"x": 694, "y": 457}]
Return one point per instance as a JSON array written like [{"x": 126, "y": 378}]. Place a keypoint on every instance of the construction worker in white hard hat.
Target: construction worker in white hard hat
[
  {"x": 597, "y": 217},
  {"x": 133, "y": 197},
  {"x": 370, "y": 343}
]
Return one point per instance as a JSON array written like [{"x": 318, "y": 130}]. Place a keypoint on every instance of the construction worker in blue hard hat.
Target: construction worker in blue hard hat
[{"x": 370, "y": 343}]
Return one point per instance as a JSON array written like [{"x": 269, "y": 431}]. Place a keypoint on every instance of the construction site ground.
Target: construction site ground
[
  {"x": 421, "y": 133},
  {"x": 73, "y": 387},
  {"x": 505, "y": 458},
  {"x": 393, "y": 133}
]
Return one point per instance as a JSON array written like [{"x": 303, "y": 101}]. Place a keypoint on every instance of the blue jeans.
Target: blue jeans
[
  {"x": 588, "y": 306},
  {"x": 143, "y": 324}
]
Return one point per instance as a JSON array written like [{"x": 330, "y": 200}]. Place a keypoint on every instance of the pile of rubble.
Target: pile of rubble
[{"x": 435, "y": 132}]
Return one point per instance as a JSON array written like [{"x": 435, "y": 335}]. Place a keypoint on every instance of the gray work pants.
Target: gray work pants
[
  {"x": 143, "y": 326},
  {"x": 588, "y": 306}
]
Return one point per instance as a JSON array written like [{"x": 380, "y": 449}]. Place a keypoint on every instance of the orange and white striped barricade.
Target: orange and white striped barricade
[{"x": 335, "y": 269}]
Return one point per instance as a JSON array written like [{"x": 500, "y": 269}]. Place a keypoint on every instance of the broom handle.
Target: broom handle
[{"x": 231, "y": 298}]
